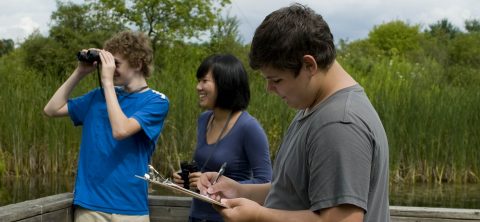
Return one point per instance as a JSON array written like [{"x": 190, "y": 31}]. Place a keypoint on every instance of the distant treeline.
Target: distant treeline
[{"x": 424, "y": 83}]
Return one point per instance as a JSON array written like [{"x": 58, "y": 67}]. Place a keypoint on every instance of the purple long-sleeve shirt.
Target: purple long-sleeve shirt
[{"x": 244, "y": 148}]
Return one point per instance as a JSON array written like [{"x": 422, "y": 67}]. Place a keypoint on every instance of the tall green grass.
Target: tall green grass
[
  {"x": 432, "y": 128},
  {"x": 29, "y": 142}
]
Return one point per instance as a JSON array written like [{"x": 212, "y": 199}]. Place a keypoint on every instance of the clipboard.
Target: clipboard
[{"x": 172, "y": 186}]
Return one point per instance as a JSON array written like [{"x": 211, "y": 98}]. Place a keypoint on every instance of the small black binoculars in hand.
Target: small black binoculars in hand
[
  {"x": 89, "y": 56},
  {"x": 187, "y": 168}
]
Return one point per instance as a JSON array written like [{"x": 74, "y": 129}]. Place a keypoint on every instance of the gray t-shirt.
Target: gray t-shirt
[{"x": 336, "y": 154}]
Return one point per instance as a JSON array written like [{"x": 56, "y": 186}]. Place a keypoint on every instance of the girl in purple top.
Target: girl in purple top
[{"x": 226, "y": 132}]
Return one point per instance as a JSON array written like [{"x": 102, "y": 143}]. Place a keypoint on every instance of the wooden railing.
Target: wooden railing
[
  {"x": 52, "y": 208},
  {"x": 58, "y": 208}
]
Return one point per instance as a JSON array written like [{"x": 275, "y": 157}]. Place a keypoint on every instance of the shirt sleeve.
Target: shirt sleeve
[
  {"x": 152, "y": 116},
  {"x": 339, "y": 160},
  {"x": 78, "y": 107},
  {"x": 257, "y": 151}
]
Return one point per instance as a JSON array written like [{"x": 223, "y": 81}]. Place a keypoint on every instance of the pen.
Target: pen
[{"x": 220, "y": 172}]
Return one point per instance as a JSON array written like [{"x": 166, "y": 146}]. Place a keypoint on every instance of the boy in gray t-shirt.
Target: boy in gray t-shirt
[
  {"x": 328, "y": 155},
  {"x": 333, "y": 161}
]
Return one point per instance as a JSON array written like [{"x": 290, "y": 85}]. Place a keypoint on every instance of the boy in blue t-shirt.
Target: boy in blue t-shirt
[{"x": 121, "y": 123}]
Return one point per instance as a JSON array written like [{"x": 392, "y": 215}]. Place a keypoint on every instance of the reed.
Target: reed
[{"x": 432, "y": 127}]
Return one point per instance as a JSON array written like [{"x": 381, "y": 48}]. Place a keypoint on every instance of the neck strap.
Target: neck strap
[
  {"x": 219, "y": 136},
  {"x": 139, "y": 89}
]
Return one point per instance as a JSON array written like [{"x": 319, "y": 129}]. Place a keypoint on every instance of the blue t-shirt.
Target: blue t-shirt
[
  {"x": 244, "y": 148},
  {"x": 107, "y": 167}
]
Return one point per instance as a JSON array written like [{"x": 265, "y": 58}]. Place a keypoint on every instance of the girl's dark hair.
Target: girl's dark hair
[
  {"x": 286, "y": 35},
  {"x": 231, "y": 80}
]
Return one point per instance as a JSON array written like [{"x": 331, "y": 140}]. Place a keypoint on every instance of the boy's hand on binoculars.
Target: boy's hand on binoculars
[
  {"x": 108, "y": 67},
  {"x": 85, "y": 68}
]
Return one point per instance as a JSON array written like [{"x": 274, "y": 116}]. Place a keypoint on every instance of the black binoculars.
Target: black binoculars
[
  {"x": 187, "y": 168},
  {"x": 89, "y": 56}
]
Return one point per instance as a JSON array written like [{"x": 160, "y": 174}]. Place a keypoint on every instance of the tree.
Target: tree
[
  {"x": 73, "y": 27},
  {"x": 6, "y": 46},
  {"x": 472, "y": 25},
  {"x": 395, "y": 37},
  {"x": 40, "y": 53},
  {"x": 465, "y": 50},
  {"x": 360, "y": 56},
  {"x": 224, "y": 36},
  {"x": 163, "y": 20},
  {"x": 443, "y": 28},
  {"x": 464, "y": 57}
]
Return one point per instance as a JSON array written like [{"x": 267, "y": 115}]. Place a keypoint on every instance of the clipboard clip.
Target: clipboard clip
[
  {"x": 154, "y": 175},
  {"x": 156, "y": 178}
]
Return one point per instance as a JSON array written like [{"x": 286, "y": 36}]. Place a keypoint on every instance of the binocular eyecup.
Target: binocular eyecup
[{"x": 89, "y": 56}]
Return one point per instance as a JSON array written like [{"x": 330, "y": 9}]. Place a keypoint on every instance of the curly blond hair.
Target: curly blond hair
[{"x": 135, "y": 47}]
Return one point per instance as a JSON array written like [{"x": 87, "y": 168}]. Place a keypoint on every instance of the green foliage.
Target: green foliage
[
  {"x": 443, "y": 44},
  {"x": 395, "y": 38},
  {"x": 424, "y": 86},
  {"x": 225, "y": 37},
  {"x": 426, "y": 98},
  {"x": 2, "y": 163},
  {"x": 26, "y": 147},
  {"x": 6, "y": 46},
  {"x": 365, "y": 54},
  {"x": 462, "y": 50},
  {"x": 42, "y": 53},
  {"x": 443, "y": 28},
  {"x": 430, "y": 127},
  {"x": 163, "y": 20},
  {"x": 436, "y": 41},
  {"x": 464, "y": 59},
  {"x": 75, "y": 25},
  {"x": 73, "y": 28},
  {"x": 472, "y": 25}
]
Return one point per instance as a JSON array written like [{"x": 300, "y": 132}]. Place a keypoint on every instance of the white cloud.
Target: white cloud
[
  {"x": 20, "y": 18},
  {"x": 28, "y": 25}
]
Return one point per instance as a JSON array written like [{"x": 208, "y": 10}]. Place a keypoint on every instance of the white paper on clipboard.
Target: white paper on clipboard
[{"x": 175, "y": 187}]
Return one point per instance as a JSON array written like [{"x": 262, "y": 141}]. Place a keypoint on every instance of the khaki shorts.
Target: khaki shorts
[{"x": 85, "y": 215}]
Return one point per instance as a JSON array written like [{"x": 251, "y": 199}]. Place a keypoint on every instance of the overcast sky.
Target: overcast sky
[{"x": 348, "y": 19}]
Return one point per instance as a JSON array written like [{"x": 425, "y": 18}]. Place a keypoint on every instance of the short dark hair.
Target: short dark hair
[
  {"x": 286, "y": 35},
  {"x": 231, "y": 80}
]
